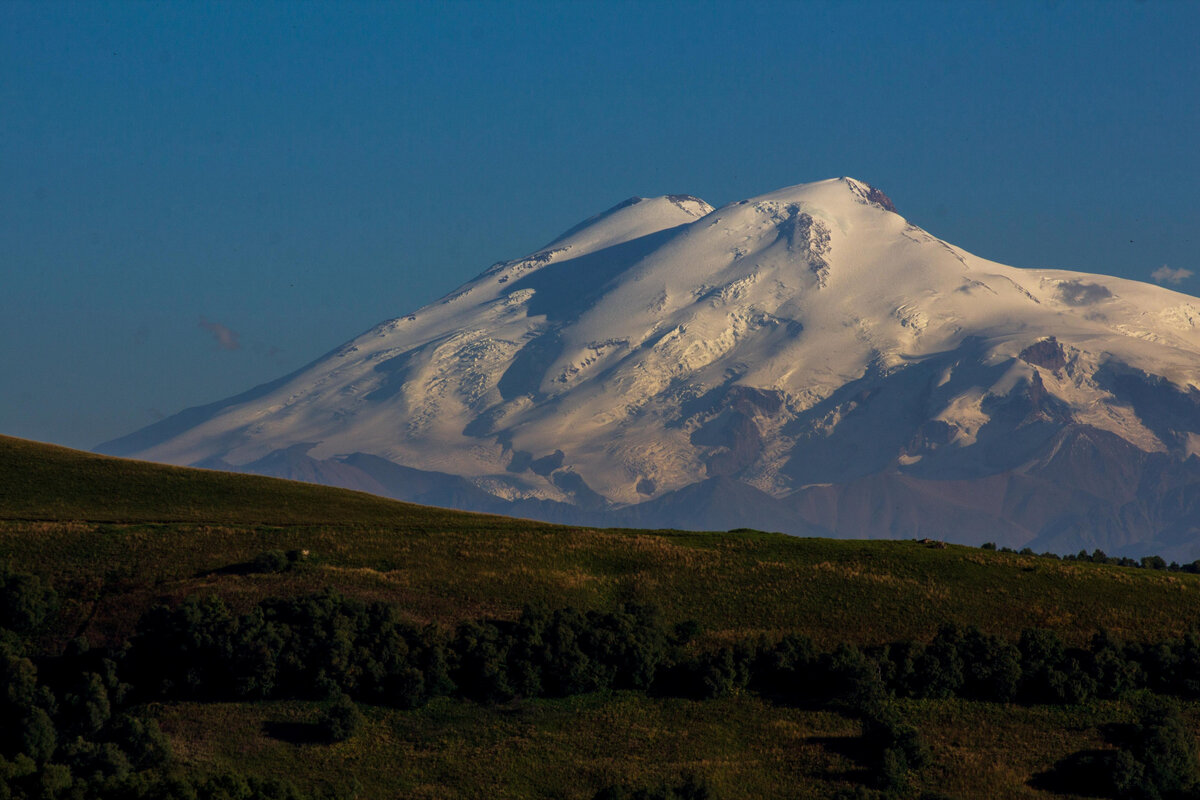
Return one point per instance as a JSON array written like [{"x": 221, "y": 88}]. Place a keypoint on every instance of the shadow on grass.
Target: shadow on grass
[
  {"x": 243, "y": 568},
  {"x": 1084, "y": 773},
  {"x": 272, "y": 562},
  {"x": 850, "y": 748},
  {"x": 295, "y": 732},
  {"x": 1088, "y": 772}
]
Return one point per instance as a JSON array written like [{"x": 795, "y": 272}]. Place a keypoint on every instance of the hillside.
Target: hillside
[
  {"x": 125, "y": 520},
  {"x": 46, "y": 482},
  {"x": 446, "y": 568}
]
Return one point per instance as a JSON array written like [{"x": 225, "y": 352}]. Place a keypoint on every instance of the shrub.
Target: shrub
[
  {"x": 707, "y": 675},
  {"x": 852, "y": 677},
  {"x": 1051, "y": 674},
  {"x": 24, "y": 601},
  {"x": 142, "y": 741},
  {"x": 271, "y": 561},
  {"x": 991, "y": 666},
  {"x": 893, "y": 746},
  {"x": 341, "y": 720},
  {"x": 938, "y": 672},
  {"x": 38, "y": 737},
  {"x": 787, "y": 668},
  {"x": 1113, "y": 671},
  {"x": 1166, "y": 751}
]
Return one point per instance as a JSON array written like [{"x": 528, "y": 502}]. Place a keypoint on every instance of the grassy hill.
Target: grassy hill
[
  {"x": 46, "y": 482},
  {"x": 116, "y": 536}
]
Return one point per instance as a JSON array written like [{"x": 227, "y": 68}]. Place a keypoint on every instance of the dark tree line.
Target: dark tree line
[
  {"x": 74, "y": 729},
  {"x": 1039, "y": 668},
  {"x": 1098, "y": 556},
  {"x": 321, "y": 645},
  {"x": 315, "y": 646}
]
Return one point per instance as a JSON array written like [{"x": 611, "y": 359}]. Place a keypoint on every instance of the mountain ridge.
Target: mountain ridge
[{"x": 807, "y": 337}]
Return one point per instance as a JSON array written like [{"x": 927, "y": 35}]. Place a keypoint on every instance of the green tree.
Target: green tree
[
  {"x": 341, "y": 720},
  {"x": 88, "y": 709},
  {"x": 271, "y": 561},
  {"x": 1167, "y": 753},
  {"x": 25, "y": 601},
  {"x": 894, "y": 748},
  {"x": 38, "y": 736}
]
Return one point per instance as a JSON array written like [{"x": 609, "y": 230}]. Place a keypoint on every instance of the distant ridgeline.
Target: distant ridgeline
[{"x": 80, "y": 723}]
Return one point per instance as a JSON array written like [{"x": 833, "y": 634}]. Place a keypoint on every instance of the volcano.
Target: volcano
[{"x": 805, "y": 361}]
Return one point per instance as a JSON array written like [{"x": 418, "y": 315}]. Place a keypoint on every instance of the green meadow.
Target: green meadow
[{"x": 115, "y": 537}]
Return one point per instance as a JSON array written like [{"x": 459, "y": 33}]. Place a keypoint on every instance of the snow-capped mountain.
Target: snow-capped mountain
[{"x": 806, "y": 361}]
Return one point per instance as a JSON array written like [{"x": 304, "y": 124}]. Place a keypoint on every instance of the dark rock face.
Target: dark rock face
[
  {"x": 1047, "y": 354},
  {"x": 929, "y": 437},
  {"x": 1042, "y": 404},
  {"x": 547, "y": 464},
  {"x": 810, "y": 239},
  {"x": 737, "y": 438},
  {"x": 748, "y": 399},
  {"x": 585, "y": 498},
  {"x": 880, "y": 199},
  {"x": 731, "y": 435},
  {"x": 871, "y": 196},
  {"x": 1172, "y": 413},
  {"x": 681, "y": 199},
  {"x": 521, "y": 461}
]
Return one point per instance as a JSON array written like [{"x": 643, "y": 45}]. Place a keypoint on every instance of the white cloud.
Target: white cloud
[
  {"x": 1165, "y": 274},
  {"x": 226, "y": 338}
]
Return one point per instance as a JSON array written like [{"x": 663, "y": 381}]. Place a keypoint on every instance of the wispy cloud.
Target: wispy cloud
[
  {"x": 1165, "y": 274},
  {"x": 226, "y": 339},
  {"x": 1078, "y": 293}
]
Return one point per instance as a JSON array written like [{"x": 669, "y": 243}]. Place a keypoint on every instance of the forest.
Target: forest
[{"x": 78, "y": 723}]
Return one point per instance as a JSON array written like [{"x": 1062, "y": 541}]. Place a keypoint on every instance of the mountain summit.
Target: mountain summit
[{"x": 806, "y": 361}]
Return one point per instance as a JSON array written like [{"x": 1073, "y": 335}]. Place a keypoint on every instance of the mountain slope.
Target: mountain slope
[{"x": 861, "y": 375}]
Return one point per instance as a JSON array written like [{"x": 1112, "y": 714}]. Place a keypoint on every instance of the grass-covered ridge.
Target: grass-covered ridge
[
  {"x": 116, "y": 537},
  {"x": 132, "y": 531},
  {"x": 735, "y": 584},
  {"x": 45, "y": 482}
]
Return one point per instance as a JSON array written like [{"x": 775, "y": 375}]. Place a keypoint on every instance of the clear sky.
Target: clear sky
[{"x": 197, "y": 198}]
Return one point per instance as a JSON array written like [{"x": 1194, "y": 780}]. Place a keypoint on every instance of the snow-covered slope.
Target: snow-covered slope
[{"x": 810, "y": 345}]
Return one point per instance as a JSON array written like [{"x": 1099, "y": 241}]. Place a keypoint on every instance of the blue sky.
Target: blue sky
[{"x": 200, "y": 197}]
